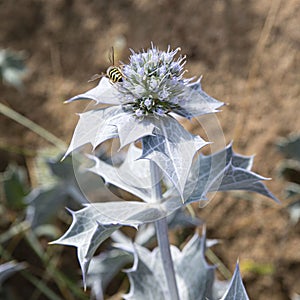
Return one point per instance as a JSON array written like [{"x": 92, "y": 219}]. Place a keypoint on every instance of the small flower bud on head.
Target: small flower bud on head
[{"x": 153, "y": 80}]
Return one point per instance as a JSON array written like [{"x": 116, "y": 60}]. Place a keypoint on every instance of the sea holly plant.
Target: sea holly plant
[{"x": 162, "y": 171}]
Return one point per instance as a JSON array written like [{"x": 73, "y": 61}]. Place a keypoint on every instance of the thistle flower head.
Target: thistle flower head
[
  {"x": 153, "y": 85},
  {"x": 153, "y": 82}
]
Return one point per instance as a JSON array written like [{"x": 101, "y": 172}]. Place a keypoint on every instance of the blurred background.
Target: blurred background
[{"x": 248, "y": 54}]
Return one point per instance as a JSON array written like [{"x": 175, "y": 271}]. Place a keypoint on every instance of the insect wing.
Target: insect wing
[
  {"x": 95, "y": 77},
  {"x": 111, "y": 56}
]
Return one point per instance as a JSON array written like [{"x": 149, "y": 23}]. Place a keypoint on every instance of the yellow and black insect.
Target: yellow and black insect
[{"x": 113, "y": 73}]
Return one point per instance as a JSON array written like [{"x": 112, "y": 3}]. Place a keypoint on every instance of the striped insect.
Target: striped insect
[{"x": 113, "y": 73}]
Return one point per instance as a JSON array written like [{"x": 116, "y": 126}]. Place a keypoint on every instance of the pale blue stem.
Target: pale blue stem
[
  {"x": 161, "y": 226},
  {"x": 77, "y": 195}
]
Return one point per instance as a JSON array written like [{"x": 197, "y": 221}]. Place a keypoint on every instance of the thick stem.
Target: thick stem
[
  {"x": 164, "y": 246},
  {"x": 155, "y": 183},
  {"x": 162, "y": 236}
]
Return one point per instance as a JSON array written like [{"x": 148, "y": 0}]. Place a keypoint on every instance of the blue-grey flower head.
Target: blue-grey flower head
[
  {"x": 153, "y": 82},
  {"x": 153, "y": 85}
]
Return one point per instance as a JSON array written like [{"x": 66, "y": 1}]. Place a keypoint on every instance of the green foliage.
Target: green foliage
[
  {"x": 44, "y": 202},
  {"x": 23, "y": 242},
  {"x": 257, "y": 268},
  {"x": 15, "y": 186}
]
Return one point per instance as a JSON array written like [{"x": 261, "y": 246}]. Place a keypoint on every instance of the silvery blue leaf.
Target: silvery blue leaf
[
  {"x": 172, "y": 148},
  {"x": 95, "y": 223},
  {"x": 97, "y": 126},
  {"x": 12, "y": 67},
  {"x": 180, "y": 218},
  {"x": 105, "y": 92},
  {"x": 290, "y": 146},
  {"x": 103, "y": 268},
  {"x": 44, "y": 202},
  {"x": 132, "y": 176},
  {"x": 224, "y": 171},
  {"x": 64, "y": 170},
  {"x": 131, "y": 129},
  {"x": 236, "y": 290},
  {"x": 198, "y": 103},
  {"x": 194, "y": 277},
  {"x": 294, "y": 211},
  {"x": 94, "y": 127},
  {"x": 240, "y": 179},
  {"x": 220, "y": 288},
  {"x": 86, "y": 234},
  {"x": 146, "y": 277}
]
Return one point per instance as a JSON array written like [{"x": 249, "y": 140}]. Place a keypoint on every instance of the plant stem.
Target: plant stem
[
  {"x": 161, "y": 226},
  {"x": 164, "y": 246},
  {"x": 5, "y": 110},
  {"x": 155, "y": 183}
]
